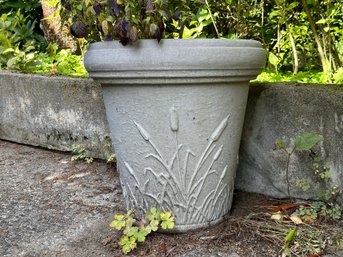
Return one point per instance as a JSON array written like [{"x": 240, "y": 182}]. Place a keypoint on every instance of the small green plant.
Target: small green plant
[
  {"x": 110, "y": 157},
  {"x": 134, "y": 231},
  {"x": 318, "y": 210},
  {"x": 322, "y": 173},
  {"x": 304, "y": 142},
  {"x": 79, "y": 153},
  {"x": 108, "y": 152},
  {"x": 326, "y": 206},
  {"x": 291, "y": 235},
  {"x": 303, "y": 184}
]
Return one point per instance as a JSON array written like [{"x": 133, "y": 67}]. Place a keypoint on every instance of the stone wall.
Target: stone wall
[
  {"x": 283, "y": 111},
  {"x": 52, "y": 112},
  {"x": 57, "y": 112}
]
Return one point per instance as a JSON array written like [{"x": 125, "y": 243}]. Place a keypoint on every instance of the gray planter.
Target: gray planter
[{"x": 175, "y": 112}]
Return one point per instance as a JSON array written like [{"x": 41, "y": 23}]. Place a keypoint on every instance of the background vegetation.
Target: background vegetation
[{"x": 303, "y": 39}]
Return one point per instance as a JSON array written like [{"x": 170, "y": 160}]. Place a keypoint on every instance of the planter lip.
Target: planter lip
[
  {"x": 194, "y": 61},
  {"x": 197, "y": 42}
]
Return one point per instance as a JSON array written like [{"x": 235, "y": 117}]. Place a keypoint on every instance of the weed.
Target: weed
[
  {"x": 108, "y": 152},
  {"x": 79, "y": 153},
  {"x": 303, "y": 184},
  {"x": 304, "y": 142},
  {"x": 325, "y": 208},
  {"x": 134, "y": 231},
  {"x": 319, "y": 209}
]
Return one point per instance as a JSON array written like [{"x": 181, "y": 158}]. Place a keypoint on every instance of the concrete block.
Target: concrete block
[
  {"x": 283, "y": 111},
  {"x": 52, "y": 112}
]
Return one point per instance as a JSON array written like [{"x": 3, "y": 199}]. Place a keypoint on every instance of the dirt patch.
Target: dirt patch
[{"x": 247, "y": 231}]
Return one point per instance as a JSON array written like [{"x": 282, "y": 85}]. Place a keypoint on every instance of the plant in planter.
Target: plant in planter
[
  {"x": 126, "y": 21},
  {"x": 175, "y": 107}
]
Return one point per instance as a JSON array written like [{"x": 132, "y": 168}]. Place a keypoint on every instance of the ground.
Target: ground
[{"x": 52, "y": 206}]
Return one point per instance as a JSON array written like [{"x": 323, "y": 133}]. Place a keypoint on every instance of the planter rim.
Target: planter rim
[
  {"x": 198, "y": 42},
  {"x": 175, "y": 61}
]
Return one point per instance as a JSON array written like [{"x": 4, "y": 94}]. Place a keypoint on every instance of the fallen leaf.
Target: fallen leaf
[
  {"x": 277, "y": 216},
  {"x": 285, "y": 207},
  {"x": 296, "y": 219}
]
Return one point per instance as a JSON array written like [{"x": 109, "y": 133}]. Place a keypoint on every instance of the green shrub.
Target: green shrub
[
  {"x": 56, "y": 61},
  {"x": 302, "y": 77},
  {"x": 19, "y": 43}
]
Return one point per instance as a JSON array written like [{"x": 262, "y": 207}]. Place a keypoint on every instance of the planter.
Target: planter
[{"x": 176, "y": 112}]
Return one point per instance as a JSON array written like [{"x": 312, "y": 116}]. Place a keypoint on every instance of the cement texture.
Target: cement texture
[{"x": 51, "y": 206}]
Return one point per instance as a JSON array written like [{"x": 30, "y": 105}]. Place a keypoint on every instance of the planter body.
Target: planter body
[{"x": 176, "y": 111}]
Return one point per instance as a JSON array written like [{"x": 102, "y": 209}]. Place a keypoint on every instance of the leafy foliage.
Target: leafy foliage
[
  {"x": 303, "y": 142},
  {"x": 318, "y": 210},
  {"x": 302, "y": 77},
  {"x": 23, "y": 47},
  {"x": 303, "y": 39},
  {"x": 306, "y": 140},
  {"x": 134, "y": 231},
  {"x": 299, "y": 37},
  {"x": 18, "y": 41},
  {"x": 123, "y": 20},
  {"x": 29, "y": 8},
  {"x": 58, "y": 62}
]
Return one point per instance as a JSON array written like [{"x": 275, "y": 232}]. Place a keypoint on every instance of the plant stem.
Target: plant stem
[
  {"x": 289, "y": 154},
  {"x": 212, "y": 18},
  {"x": 294, "y": 51},
  {"x": 287, "y": 174}
]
